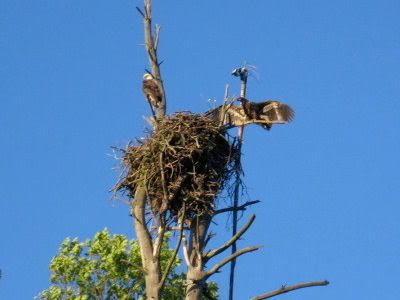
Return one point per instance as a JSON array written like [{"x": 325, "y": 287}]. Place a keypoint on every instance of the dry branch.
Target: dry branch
[
  {"x": 161, "y": 228},
  {"x": 286, "y": 289},
  {"x": 151, "y": 47},
  {"x": 173, "y": 257},
  {"x": 234, "y": 238},
  {"x": 230, "y": 258},
  {"x": 185, "y": 251},
  {"x": 238, "y": 208}
]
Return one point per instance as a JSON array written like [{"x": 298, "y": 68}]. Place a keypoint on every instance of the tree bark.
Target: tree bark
[
  {"x": 196, "y": 277},
  {"x": 150, "y": 265}
]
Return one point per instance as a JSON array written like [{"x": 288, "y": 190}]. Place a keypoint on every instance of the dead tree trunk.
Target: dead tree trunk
[
  {"x": 196, "y": 276},
  {"x": 150, "y": 265},
  {"x": 150, "y": 248},
  {"x": 194, "y": 252}
]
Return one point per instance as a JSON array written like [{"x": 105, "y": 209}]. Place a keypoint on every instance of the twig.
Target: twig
[
  {"x": 140, "y": 12},
  {"x": 140, "y": 268},
  {"x": 163, "y": 183},
  {"x": 152, "y": 111},
  {"x": 230, "y": 258},
  {"x": 286, "y": 289},
  {"x": 208, "y": 238},
  {"x": 229, "y": 243},
  {"x": 238, "y": 208},
  {"x": 171, "y": 228},
  {"x": 224, "y": 107}
]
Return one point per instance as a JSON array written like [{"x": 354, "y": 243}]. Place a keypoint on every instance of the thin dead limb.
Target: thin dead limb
[
  {"x": 151, "y": 47},
  {"x": 238, "y": 208},
  {"x": 150, "y": 252},
  {"x": 229, "y": 243},
  {"x": 231, "y": 257},
  {"x": 286, "y": 289},
  {"x": 185, "y": 250},
  {"x": 226, "y": 95},
  {"x": 161, "y": 228},
  {"x": 173, "y": 257}
]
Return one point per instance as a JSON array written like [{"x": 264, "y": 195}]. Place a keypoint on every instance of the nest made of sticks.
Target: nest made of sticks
[{"x": 185, "y": 162}]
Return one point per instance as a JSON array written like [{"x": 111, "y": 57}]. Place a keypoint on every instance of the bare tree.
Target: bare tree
[
  {"x": 192, "y": 229},
  {"x": 150, "y": 247}
]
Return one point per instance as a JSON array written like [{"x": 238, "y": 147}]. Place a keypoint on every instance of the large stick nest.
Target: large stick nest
[{"x": 185, "y": 162}]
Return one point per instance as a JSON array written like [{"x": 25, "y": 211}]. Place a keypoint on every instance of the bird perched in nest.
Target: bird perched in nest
[
  {"x": 151, "y": 90},
  {"x": 270, "y": 112}
]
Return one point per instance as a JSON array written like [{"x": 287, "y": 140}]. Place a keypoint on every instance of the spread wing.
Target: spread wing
[
  {"x": 276, "y": 112},
  {"x": 152, "y": 92},
  {"x": 230, "y": 115},
  {"x": 265, "y": 114}
]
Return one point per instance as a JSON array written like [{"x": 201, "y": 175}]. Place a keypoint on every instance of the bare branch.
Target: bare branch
[
  {"x": 140, "y": 268},
  {"x": 140, "y": 12},
  {"x": 157, "y": 39},
  {"x": 286, "y": 289},
  {"x": 238, "y": 208},
  {"x": 171, "y": 228},
  {"x": 231, "y": 257},
  {"x": 163, "y": 183},
  {"x": 208, "y": 238},
  {"x": 226, "y": 95},
  {"x": 173, "y": 257},
  {"x": 229, "y": 243},
  {"x": 151, "y": 47},
  {"x": 152, "y": 110},
  {"x": 160, "y": 237},
  {"x": 143, "y": 235},
  {"x": 185, "y": 251}
]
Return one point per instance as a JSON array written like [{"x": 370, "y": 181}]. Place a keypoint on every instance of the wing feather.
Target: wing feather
[
  {"x": 152, "y": 92},
  {"x": 276, "y": 112}
]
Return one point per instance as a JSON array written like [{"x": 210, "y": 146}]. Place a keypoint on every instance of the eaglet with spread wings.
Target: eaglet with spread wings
[{"x": 264, "y": 113}]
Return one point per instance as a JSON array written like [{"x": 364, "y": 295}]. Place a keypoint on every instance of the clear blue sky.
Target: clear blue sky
[{"x": 329, "y": 182}]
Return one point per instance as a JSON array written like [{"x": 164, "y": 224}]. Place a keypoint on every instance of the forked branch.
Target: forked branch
[{"x": 286, "y": 289}]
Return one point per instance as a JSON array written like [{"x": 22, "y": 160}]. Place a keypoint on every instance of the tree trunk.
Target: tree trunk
[
  {"x": 150, "y": 265},
  {"x": 152, "y": 281},
  {"x": 196, "y": 275}
]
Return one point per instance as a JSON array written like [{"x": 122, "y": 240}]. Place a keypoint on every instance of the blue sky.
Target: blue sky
[{"x": 70, "y": 88}]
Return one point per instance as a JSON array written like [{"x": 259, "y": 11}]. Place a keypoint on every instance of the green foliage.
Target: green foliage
[{"x": 108, "y": 267}]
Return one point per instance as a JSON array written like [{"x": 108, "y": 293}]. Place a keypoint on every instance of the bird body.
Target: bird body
[
  {"x": 151, "y": 90},
  {"x": 270, "y": 112}
]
